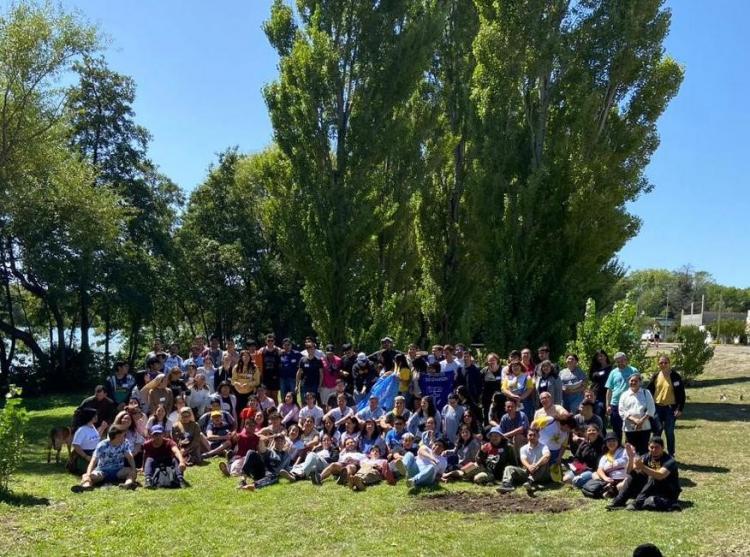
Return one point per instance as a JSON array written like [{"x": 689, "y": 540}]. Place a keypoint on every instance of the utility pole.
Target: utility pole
[{"x": 718, "y": 320}]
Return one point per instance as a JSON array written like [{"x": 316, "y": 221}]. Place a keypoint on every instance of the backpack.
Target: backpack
[{"x": 165, "y": 476}]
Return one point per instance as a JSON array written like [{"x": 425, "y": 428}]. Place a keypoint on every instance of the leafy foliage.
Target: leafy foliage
[
  {"x": 693, "y": 353},
  {"x": 13, "y": 420},
  {"x": 615, "y": 331}
]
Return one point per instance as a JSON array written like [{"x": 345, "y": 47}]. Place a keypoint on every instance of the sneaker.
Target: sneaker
[
  {"x": 147, "y": 484},
  {"x": 401, "y": 467},
  {"x": 530, "y": 487},
  {"x": 183, "y": 484},
  {"x": 411, "y": 484},
  {"x": 630, "y": 506},
  {"x": 506, "y": 488},
  {"x": 343, "y": 477},
  {"x": 357, "y": 483},
  {"x": 78, "y": 488},
  {"x": 286, "y": 474},
  {"x": 315, "y": 478},
  {"x": 676, "y": 507},
  {"x": 224, "y": 468},
  {"x": 127, "y": 485}
]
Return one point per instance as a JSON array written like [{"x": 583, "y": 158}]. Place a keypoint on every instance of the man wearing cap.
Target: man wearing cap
[
  {"x": 365, "y": 375},
  {"x": 426, "y": 467},
  {"x": 289, "y": 365},
  {"x": 219, "y": 435},
  {"x": 162, "y": 453},
  {"x": 108, "y": 463},
  {"x": 372, "y": 412},
  {"x": 386, "y": 355},
  {"x": 652, "y": 481},
  {"x": 617, "y": 384}
]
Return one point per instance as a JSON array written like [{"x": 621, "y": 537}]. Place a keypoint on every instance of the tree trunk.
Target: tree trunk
[{"x": 85, "y": 325}]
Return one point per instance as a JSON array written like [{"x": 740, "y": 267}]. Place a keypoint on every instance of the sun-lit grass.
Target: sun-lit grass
[{"x": 212, "y": 518}]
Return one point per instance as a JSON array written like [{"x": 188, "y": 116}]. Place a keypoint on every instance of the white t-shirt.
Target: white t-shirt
[
  {"x": 617, "y": 467},
  {"x": 532, "y": 455},
  {"x": 452, "y": 367},
  {"x": 86, "y": 437},
  {"x": 316, "y": 412}
]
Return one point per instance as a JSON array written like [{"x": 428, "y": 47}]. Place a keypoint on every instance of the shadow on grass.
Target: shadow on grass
[
  {"x": 427, "y": 490},
  {"x": 685, "y": 482},
  {"x": 716, "y": 412},
  {"x": 36, "y": 467},
  {"x": 703, "y": 469},
  {"x": 39, "y": 427},
  {"x": 23, "y": 500},
  {"x": 700, "y": 383},
  {"x": 52, "y": 401}
]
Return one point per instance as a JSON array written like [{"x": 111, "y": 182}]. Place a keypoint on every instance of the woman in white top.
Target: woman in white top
[
  {"x": 612, "y": 470},
  {"x": 636, "y": 409},
  {"x": 199, "y": 398}
]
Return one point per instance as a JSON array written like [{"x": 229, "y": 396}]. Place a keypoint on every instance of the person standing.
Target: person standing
[
  {"x": 636, "y": 410},
  {"x": 310, "y": 373},
  {"x": 271, "y": 356},
  {"x": 289, "y": 365},
  {"x": 616, "y": 385},
  {"x": 668, "y": 390},
  {"x": 573, "y": 383}
]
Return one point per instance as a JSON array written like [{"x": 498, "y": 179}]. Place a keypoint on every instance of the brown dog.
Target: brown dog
[{"x": 57, "y": 437}]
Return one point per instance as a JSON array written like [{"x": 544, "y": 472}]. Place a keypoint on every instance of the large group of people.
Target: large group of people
[{"x": 272, "y": 412}]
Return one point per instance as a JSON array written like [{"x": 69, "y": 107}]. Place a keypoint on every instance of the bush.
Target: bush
[
  {"x": 12, "y": 422},
  {"x": 728, "y": 330},
  {"x": 616, "y": 331},
  {"x": 692, "y": 355}
]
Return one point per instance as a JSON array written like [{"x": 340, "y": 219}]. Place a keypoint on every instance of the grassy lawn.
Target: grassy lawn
[{"x": 212, "y": 518}]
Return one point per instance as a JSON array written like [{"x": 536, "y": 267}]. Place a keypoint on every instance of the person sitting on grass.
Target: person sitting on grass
[
  {"x": 124, "y": 422},
  {"x": 161, "y": 455},
  {"x": 492, "y": 458},
  {"x": 585, "y": 418},
  {"x": 399, "y": 410},
  {"x": 373, "y": 411},
  {"x": 311, "y": 410},
  {"x": 246, "y": 440},
  {"x": 372, "y": 470},
  {"x": 108, "y": 463},
  {"x": 653, "y": 482},
  {"x": 463, "y": 457},
  {"x": 315, "y": 462},
  {"x": 586, "y": 460},
  {"x": 394, "y": 437},
  {"x": 612, "y": 470},
  {"x": 347, "y": 462},
  {"x": 371, "y": 437},
  {"x": 214, "y": 405},
  {"x": 85, "y": 440},
  {"x": 427, "y": 467},
  {"x": 264, "y": 465},
  {"x": 534, "y": 469},
  {"x": 341, "y": 411},
  {"x": 219, "y": 436},
  {"x": 189, "y": 437}
]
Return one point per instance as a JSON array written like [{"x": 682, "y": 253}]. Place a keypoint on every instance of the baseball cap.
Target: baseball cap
[
  {"x": 497, "y": 430},
  {"x": 157, "y": 430},
  {"x": 386, "y": 339},
  {"x": 610, "y": 436},
  {"x": 216, "y": 413},
  {"x": 361, "y": 357}
]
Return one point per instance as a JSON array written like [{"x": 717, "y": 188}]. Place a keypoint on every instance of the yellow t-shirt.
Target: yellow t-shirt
[
  {"x": 664, "y": 393},
  {"x": 404, "y": 378}
]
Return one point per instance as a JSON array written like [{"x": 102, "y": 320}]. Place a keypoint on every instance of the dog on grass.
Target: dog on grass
[{"x": 59, "y": 436}]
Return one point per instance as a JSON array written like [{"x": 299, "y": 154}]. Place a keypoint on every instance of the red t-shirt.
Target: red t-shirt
[
  {"x": 162, "y": 452},
  {"x": 246, "y": 442}
]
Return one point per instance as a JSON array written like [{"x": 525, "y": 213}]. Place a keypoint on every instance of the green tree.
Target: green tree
[
  {"x": 567, "y": 97},
  {"x": 347, "y": 71},
  {"x": 442, "y": 226},
  {"x": 38, "y": 45},
  {"x": 693, "y": 353}
]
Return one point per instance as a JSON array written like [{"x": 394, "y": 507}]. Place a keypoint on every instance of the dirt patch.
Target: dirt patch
[{"x": 468, "y": 502}]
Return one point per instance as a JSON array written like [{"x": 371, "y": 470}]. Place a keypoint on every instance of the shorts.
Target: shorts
[{"x": 109, "y": 475}]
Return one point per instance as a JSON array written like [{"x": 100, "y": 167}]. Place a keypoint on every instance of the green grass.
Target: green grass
[{"x": 211, "y": 518}]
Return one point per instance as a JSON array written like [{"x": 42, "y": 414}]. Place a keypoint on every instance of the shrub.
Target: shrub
[
  {"x": 616, "y": 331},
  {"x": 692, "y": 355},
  {"x": 12, "y": 422}
]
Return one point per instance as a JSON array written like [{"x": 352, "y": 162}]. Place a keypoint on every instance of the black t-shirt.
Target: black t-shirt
[
  {"x": 364, "y": 375},
  {"x": 311, "y": 369},
  {"x": 385, "y": 358},
  {"x": 271, "y": 364},
  {"x": 669, "y": 486},
  {"x": 598, "y": 380}
]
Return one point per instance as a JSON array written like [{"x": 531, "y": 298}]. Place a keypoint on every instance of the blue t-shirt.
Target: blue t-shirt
[
  {"x": 617, "y": 382},
  {"x": 110, "y": 458},
  {"x": 289, "y": 364},
  {"x": 507, "y": 424}
]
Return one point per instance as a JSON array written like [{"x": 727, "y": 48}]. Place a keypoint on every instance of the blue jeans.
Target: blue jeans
[
  {"x": 287, "y": 385},
  {"x": 420, "y": 476},
  {"x": 667, "y": 419},
  {"x": 580, "y": 481},
  {"x": 616, "y": 421}
]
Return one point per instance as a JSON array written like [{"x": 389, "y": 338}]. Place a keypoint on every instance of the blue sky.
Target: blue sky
[{"x": 200, "y": 67}]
